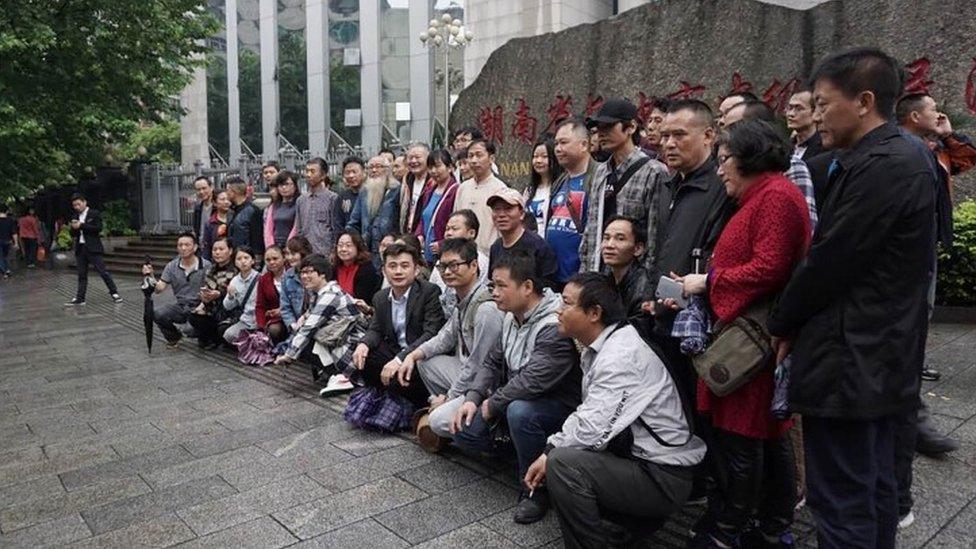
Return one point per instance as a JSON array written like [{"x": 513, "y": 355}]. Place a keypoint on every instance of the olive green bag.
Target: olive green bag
[{"x": 738, "y": 351}]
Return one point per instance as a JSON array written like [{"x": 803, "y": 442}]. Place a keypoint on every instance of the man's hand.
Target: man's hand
[
  {"x": 389, "y": 370},
  {"x": 943, "y": 128},
  {"x": 363, "y": 307},
  {"x": 359, "y": 356},
  {"x": 405, "y": 370},
  {"x": 485, "y": 410},
  {"x": 437, "y": 401},
  {"x": 209, "y": 295},
  {"x": 782, "y": 347},
  {"x": 463, "y": 417},
  {"x": 282, "y": 360},
  {"x": 536, "y": 473}
]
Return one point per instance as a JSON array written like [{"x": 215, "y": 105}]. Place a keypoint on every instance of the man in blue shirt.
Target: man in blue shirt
[{"x": 568, "y": 204}]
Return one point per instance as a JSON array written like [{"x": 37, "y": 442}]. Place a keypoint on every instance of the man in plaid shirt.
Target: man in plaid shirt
[
  {"x": 330, "y": 303},
  {"x": 628, "y": 183}
]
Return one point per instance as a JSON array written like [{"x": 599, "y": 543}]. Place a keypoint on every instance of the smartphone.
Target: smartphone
[{"x": 668, "y": 288}]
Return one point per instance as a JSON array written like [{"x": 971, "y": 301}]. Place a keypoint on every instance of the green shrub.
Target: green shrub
[
  {"x": 115, "y": 218},
  {"x": 957, "y": 267}
]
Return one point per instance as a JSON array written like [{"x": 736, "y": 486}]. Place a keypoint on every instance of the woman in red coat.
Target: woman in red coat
[
  {"x": 267, "y": 309},
  {"x": 752, "y": 261}
]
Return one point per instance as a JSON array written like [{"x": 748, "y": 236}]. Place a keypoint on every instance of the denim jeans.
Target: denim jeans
[{"x": 530, "y": 422}]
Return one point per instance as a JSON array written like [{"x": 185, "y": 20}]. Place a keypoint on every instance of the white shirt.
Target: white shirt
[{"x": 81, "y": 219}]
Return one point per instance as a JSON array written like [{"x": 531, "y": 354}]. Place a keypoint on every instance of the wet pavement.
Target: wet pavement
[{"x": 105, "y": 445}]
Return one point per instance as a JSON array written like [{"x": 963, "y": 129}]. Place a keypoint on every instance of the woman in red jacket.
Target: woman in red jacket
[
  {"x": 267, "y": 309},
  {"x": 354, "y": 271},
  {"x": 752, "y": 262}
]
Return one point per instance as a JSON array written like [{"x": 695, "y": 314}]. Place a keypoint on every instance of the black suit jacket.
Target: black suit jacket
[
  {"x": 91, "y": 228},
  {"x": 814, "y": 147},
  {"x": 425, "y": 316}
]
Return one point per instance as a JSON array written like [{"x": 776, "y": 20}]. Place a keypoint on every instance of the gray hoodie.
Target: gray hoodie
[{"x": 530, "y": 360}]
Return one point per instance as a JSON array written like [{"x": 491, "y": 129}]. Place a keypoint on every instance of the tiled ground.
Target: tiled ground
[{"x": 104, "y": 445}]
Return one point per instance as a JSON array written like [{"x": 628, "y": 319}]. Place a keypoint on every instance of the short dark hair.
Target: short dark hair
[
  {"x": 317, "y": 263},
  {"x": 488, "y": 144},
  {"x": 362, "y": 252},
  {"x": 299, "y": 245},
  {"x": 78, "y": 196},
  {"x": 474, "y": 132},
  {"x": 386, "y": 150},
  {"x": 662, "y": 104},
  {"x": 320, "y": 162},
  {"x": 396, "y": 249},
  {"x": 638, "y": 228},
  {"x": 203, "y": 178},
  {"x": 909, "y": 103},
  {"x": 470, "y": 219},
  {"x": 192, "y": 235},
  {"x": 696, "y": 106},
  {"x": 757, "y": 146},
  {"x": 225, "y": 240},
  {"x": 864, "y": 69},
  {"x": 270, "y": 164},
  {"x": 805, "y": 89},
  {"x": 244, "y": 248},
  {"x": 440, "y": 154},
  {"x": 233, "y": 179},
  {"x": 757, "y": 110},
  {"x": 466, "y": 249},
  {"x": 576, "y": 123},
  {"x": 352, "y": 159},
  {"x": 596, "y": 291},
  {"x": 460, "y": 153},
  {"x": 521, "y": 267},
  {"x": 745, "y": 95}
]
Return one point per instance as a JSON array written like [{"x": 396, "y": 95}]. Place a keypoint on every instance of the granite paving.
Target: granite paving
[{"x": 103, "y": 444}]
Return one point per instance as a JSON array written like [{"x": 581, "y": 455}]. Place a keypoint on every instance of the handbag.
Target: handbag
[
  {"x": 228, "y": 317},
  {"x": 374, "y": 408},
  {"x": 336, "y": 333},
  {"x": 739, "y": 351}
]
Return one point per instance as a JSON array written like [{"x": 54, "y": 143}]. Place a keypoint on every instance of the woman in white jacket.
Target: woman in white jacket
[{"x": 242, "y": 294}]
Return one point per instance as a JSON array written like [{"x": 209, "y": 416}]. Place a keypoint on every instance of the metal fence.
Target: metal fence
[{"x": 168, "y": 195}]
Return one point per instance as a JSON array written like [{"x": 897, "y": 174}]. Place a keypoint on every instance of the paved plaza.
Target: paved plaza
[{"x": 104, "y": 445}]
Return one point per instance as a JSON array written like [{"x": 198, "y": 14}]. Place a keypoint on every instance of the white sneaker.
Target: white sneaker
[
  {"x": 906, "y": 521},
  {"x": 117, "y": 298},
  {"x": 337, "y": 384}
]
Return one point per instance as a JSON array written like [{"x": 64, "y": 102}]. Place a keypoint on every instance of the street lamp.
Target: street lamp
[{"x": 446, "y": 32}]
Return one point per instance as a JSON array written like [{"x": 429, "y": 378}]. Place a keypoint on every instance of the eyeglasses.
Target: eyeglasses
[
  {"x": 452, "y": 266},
  {"x": 722, "y": 159}
]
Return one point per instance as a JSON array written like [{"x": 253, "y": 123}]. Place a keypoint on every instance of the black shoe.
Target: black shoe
[
  {"x": 76, "y": 301},
  {"x": 531, "y": 509},
  {"x": 754, "y": 539},
  {"x": 929, "y": 374},
  {"x": 932, "y": 443}
]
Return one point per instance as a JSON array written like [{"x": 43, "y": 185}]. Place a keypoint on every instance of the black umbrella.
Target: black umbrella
[{"x": 148, "y": 289}]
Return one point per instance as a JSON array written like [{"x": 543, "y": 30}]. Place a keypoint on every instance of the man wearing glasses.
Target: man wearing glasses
[{"x": 448, "y": 361}]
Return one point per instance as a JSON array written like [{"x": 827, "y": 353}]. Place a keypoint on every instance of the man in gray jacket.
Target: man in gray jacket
[
  {"x": 536, "y": 372},
  {"x": 448, "y": 361},
  {"x": 625, "y": 387}
]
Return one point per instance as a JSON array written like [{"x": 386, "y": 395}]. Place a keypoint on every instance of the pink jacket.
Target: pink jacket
[{"x": 269, "y": 226}]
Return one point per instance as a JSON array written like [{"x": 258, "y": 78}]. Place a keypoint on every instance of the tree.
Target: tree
[{"x": 80, "y": 76}]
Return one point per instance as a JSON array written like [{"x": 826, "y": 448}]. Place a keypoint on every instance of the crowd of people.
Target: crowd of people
[{"x": 703, "y": 306}]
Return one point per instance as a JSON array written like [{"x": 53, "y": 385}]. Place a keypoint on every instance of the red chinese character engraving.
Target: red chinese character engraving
[
  {"x": 593, "y": 104},
  {"x": 777, "y": 95},
  {"x": 492, "y": 123},
  {"x": 525, "y": 125},
  {"x": 970, "y": 97},
  {"x": 687, "y": 91},
  {"x": 917, "y": 80},
  {"x": 558, "y": 111},
  {"x": 644, "y": 107},
  {"x": 739, "y": 84}
]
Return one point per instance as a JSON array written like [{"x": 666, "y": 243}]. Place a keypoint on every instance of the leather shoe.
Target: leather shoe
[
  {"x": 932, "y": 443},
  {"x": 929, "y": 374},
  {"x": 531, "y": 509}
]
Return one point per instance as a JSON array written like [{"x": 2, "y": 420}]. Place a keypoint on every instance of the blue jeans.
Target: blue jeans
[{"x": 530, "y": 422}]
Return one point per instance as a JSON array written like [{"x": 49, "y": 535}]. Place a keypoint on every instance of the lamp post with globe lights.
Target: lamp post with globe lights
[{"x": 446, "y": 32}]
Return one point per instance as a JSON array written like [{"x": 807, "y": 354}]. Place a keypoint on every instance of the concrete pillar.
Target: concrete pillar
[
  {"x": 270, "y": 112},
  {"x": 421, "y": 72},
  {"x": 317, "y": 70},
  {"x": 193, "y": 124},
  {"x": 233, "y": 93},
  {"x": 370, "y": 86}
]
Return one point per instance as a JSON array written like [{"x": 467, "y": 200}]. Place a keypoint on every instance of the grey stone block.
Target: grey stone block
[
  {"x": 74, "y": 458},
  {"x": 365, "y": 533},
  {"x": 123, "y": 513},
  {"x": 472, "y": 535},
  {"x": 254, "y": 417},
  {"x": 439, "y": 476},
  {"x": 448, "y": 511},
  {"x": 331, "y": 512},
  {"x": 161, "y": 531},
  {"x": 290, "y": 456},
  {"x": 318, "y": 418},
  {"x": 242, "y": 460},
  {"x": 238, "y": 508},
  {"x": 143, "y": 463},
  {"x": 363, "y": 470},
  {"x": 48, "y": 486},
  {"x": 261, "y": 533},
  {"x": 205, "y": 445},
  {"x": 67, "y": 503},
  {"x": 58, "y": 532},
  {"x": 366, "y": 442},
  {"x": 525, "y": 535}
]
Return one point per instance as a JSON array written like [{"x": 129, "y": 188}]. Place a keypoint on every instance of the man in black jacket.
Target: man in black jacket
[
  {"x": 404, "y": 317},
  {"x": 204, "y": 206},
  {"x": 855, "y": 309},
  {"x": 246, "y": 228},
  {"x": 799, "y": 120},
  {"x": 86, "y": 225}
]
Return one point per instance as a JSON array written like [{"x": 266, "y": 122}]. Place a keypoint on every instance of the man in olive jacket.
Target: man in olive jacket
[{"x": 856, "y": 309}]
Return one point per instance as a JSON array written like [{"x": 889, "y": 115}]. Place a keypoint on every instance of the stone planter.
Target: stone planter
[{"x": 954, "y": 314}]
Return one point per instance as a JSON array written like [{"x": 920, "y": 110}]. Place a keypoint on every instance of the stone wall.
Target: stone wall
[{"x": 705, "y": 48}]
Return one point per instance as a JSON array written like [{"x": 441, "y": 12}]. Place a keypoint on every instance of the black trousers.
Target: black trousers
[
  {"x": 206, "y": 327},
  {"x": 851, "y": 487},
  {"x": 84, "y": 258},
  {"x": 754, "y": 476},
  {"x": 416, "y": 392},
  {"x": 906, "y": 433},
  {"x": 588, "y": 488}
]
